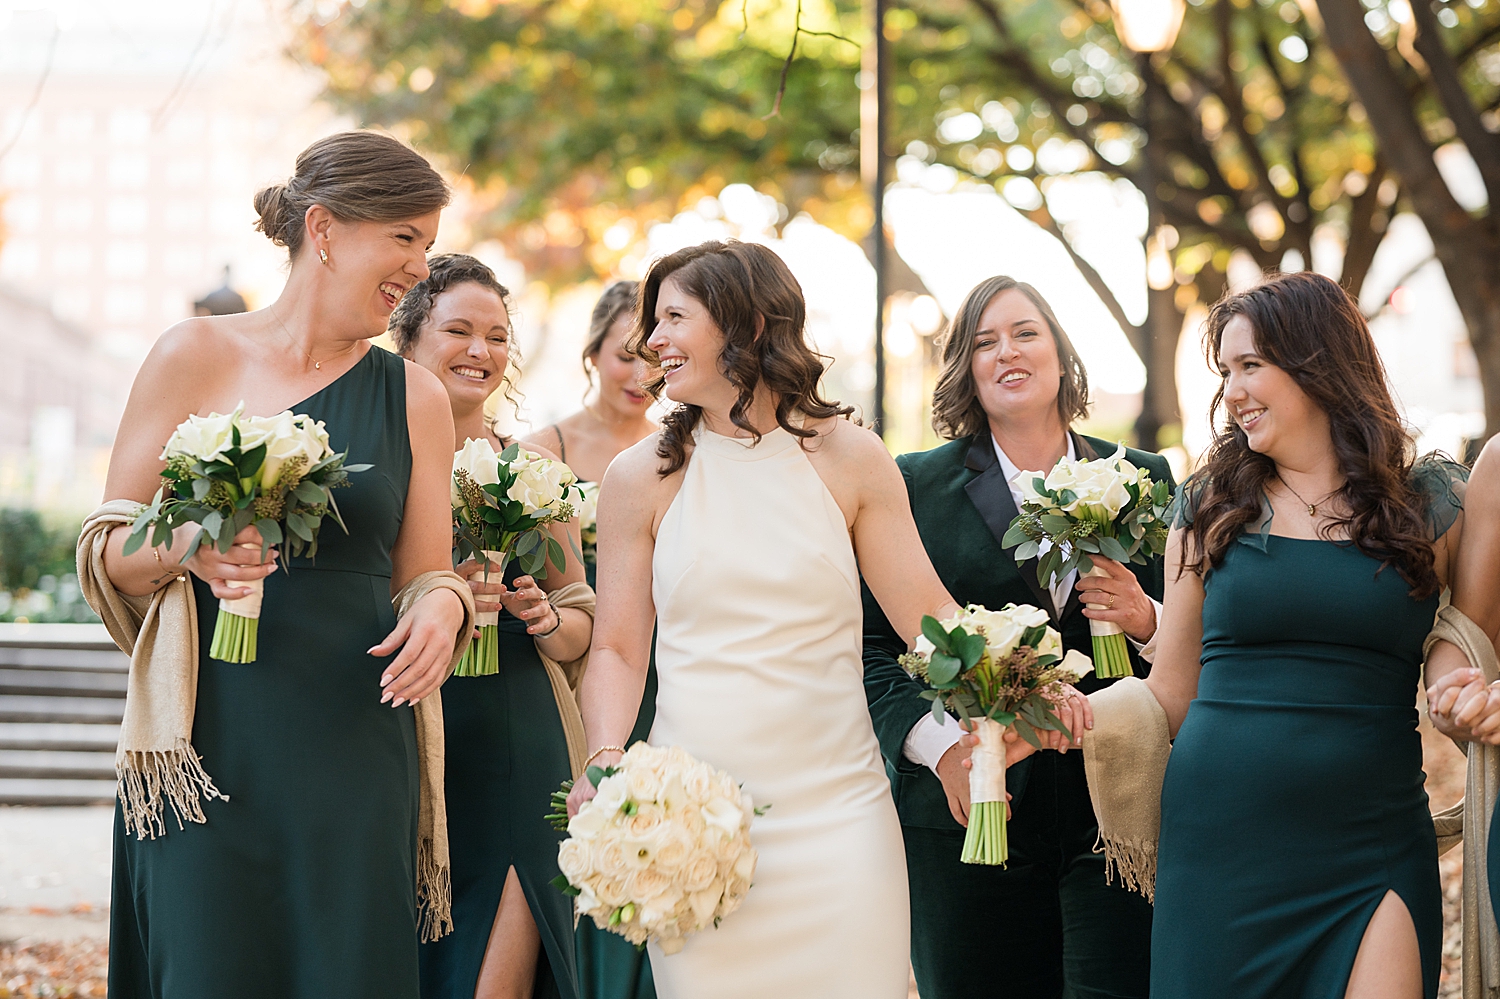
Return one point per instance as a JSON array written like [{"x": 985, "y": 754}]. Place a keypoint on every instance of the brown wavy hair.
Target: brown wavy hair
[
  {"x": 742, "y": 285},
  {"x": 956, "y": 411},
  {"x": 1309, "y": 327}
]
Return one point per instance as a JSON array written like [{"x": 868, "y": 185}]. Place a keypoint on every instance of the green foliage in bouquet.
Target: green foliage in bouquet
[
  {"x": 235, "y": 487},
  {"x": 975, "y": 678},
  {"x": 1105, "y": 506},
  {"x": 488, "y": 518}
]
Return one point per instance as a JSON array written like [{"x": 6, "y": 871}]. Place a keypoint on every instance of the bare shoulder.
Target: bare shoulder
[
  {"x": 846, "y": 442},
  {"x": 191, "y": 350},
  {"x": 539, "y": 450},
  {"x": 423, "y": 390},
  {"x": 638, "y": 466}
]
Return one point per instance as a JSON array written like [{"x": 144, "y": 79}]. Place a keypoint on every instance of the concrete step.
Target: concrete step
[
  {"x": 110, "y": 660},
  {"x": 59, "y": 736},
  {"x": 61, "y": 683},
  {"x": 31, "y": 708},
  {"x": 30, "y": 791},
  {"x": 56, "y": 636},
  {"x": 52, "y": 764}
]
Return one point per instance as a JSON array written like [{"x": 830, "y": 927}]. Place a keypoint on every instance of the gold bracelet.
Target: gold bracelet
[
  {"x": 603, "y": 749},
  {"x": 157, "y": 553}
]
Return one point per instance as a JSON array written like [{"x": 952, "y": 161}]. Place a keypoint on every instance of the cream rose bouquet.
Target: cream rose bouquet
[
  {"x": 226, "y": 472},
  {"x": 502, "y": 504},
  {"x": 1103, "y": 506},
  {"x": 661, "y": 851},
  {"x": 588, "y": 520},
  {"x": 994, "y": 669}
]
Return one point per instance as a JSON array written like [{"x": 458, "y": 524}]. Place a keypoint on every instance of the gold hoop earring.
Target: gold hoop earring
[{"x": 324, "y": 255}]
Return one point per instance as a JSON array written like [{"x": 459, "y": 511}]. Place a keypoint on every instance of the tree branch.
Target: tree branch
[
  {"x": 1483, "y": 146},
  {"x": 1044, "y": 220}
]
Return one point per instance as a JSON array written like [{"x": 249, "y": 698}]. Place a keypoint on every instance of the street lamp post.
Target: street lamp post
[
  {"x": 1146, "y": 27},
  {"x": 875, "y": 72}
]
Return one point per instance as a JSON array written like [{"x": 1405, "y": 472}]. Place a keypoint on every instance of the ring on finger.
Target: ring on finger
[{"x": 1111, "y": 604}]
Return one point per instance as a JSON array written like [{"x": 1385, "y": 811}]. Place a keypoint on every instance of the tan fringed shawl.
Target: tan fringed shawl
[
  {"x": 1472, "y": 825},
  {"x": 155, "y": 762},
  {"x": 568, "y": 677},
  {"x": 1125, "y": 760}
]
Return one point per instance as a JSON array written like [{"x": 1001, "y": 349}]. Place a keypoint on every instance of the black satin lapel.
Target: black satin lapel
[{"x": 991, "y": 496}]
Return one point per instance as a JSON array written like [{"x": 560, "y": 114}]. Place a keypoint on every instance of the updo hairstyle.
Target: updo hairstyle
[
  {"x": 618, "y": 300},
  {"x": 359, "y": 177}
]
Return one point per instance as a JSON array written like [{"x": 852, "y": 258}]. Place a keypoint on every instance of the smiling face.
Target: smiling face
[
  {"x": 1016, "y": 368},
  {"x": 1279, "y": 419},
  {"x": 621, "y": 372},
  {"x": 689, "y": 343},
  {"x": 466, "y": 342},
  {"x": 371, "y": 264}
]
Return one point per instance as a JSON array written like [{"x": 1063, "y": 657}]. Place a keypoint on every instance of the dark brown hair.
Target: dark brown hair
[
  {"x": 617, "y": 300},
  {"x": 956, "y": 411},
  {"x": 445, "y": 271},
  {"x": 359, "y": 177},
  {"x": 757, "y": 304},
  {"x": 1309, "y": 327}
]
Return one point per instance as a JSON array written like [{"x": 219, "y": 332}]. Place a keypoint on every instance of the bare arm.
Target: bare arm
[
  {"x": 1179, "y": 639},
  {"x": 426, "y": 635},
  {"x": 1459, "y": 702},
  {"x": 166, "y": 391},
  {"x": 611, "y": 693}
]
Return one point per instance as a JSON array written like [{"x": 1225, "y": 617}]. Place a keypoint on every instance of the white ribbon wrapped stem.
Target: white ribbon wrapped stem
[
  {"x": 248, "y": 605},
  {"x": 1097, "y": 628},
  {"x": 987, "y": 778},
  {"x": 493, "y": 567}
]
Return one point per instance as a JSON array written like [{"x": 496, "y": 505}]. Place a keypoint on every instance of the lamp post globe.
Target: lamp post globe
[{"x": 1148, "y": 25}]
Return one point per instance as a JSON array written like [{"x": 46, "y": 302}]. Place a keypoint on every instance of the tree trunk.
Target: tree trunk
[
  {"x": 1466, "y": 246},
  {"x": 1159, "y": 335}
]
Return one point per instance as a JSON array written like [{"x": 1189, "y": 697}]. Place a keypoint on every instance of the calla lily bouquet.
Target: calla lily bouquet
[
  {"x": 661, "y": 851},
  {"x": 994, "y": 669},
  {"x": 502, "y": 504},
  {"x": 1102, "y": 506},
  {"x": 226, "y": 472}
]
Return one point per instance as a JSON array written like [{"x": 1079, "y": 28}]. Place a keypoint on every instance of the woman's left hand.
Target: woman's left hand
[
  {"x": 425, "y": 636},
  {"x": 1118, "y": 598},
  {"x": 527, "y": 603}
]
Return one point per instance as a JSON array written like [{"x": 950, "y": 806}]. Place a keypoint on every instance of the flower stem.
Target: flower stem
[
  {"x": 482, "y": 657},
  {"x": 985, "y": 842},
  {"x": 1111, "y": 657},
  {"x": 234, "y": 638}
]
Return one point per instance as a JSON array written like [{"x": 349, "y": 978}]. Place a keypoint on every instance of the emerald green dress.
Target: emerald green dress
[
  {"x": 506, "y": 754},
  {"x": 1293, "y": 798},
  {"x": 609, "y": 966},
  {"x": 303, "y": 884}
]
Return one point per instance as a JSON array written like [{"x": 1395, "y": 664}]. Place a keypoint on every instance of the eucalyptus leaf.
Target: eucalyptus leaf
[
  {"x": 969, "y": 649},
  {"x": 1025, "y": 731},
  {"x": 134, "y": 541},
  {"x": 1110, "y": 548},
  {"x": 935, "y": 633},
  {"x": 943, "y": 668},
  {"x": 1026, "y": 551},
  {"x": 1054, "y": 524},
  {"x": 1015, "y": 534}
]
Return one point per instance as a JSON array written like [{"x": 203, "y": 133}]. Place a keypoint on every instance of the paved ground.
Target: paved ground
[{"x": 54, "y": 872}]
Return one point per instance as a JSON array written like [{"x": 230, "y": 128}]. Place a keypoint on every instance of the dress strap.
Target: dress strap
[{"x": 562, "y": 447}]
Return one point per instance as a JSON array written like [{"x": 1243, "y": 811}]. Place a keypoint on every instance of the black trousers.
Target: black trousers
[{"x": 1043, "y": 927}]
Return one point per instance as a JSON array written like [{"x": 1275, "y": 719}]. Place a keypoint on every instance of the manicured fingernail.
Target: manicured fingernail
[
  {"x": 398, "y": 702},
  {"x": 385, "y": 679},
  {"x": 386, "y": 697}
]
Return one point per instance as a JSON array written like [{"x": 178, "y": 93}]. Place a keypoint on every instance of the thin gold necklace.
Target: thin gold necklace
[
  {"x": 1312, "y": 508},
  {"x": 317, "y": 365}
]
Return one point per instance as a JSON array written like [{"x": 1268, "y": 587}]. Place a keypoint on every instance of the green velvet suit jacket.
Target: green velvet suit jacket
[{"x": 963, "y": 507}]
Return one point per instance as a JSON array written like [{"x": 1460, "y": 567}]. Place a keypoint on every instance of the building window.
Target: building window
[
  {"x": 128, "y": 170},
  {"x": 127, "y": 215},
  {"x": 20, "y": 260},
  {"x": 72, "y": 258},
  {"x": 74, "y": 214},
  {"x": 131, "y": 127},
  {"x": 124, "y": 304},
  {"x": 125, "y": 259}
]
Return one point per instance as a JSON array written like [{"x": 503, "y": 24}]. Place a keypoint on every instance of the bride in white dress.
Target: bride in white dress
[{"x": 740, "y": 530}]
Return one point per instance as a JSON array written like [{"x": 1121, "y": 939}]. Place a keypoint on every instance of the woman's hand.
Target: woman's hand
[
  {"x": 1118, "y": 598},
  {"x": 527, "y": 603},
  {"x": 223, "y": 570},
  {"x": 583, "y": 788},
  {"x": 486, "y": 589},
  {"x": 1464, "y": 708},
  {"x": 425, "y": 636}
]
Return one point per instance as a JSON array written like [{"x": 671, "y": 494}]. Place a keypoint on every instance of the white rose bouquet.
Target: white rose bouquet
[
  {"x": 588, "y": 520},
  {"x": 227, "y": 472},
  {"x": 661, "y": 851},
  {"x": 502, "y": 504},
  {"x": 994, "y": 669},
  {"x": 1104, "y": 506}
]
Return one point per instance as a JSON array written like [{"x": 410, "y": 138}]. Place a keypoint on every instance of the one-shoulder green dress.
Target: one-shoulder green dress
[
  {"x": 1294, "y": 797},
  {"x": 505, "y": 755},
  {"x": 303, "y": 884}
]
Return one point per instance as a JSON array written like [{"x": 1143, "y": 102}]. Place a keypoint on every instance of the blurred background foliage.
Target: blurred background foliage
[{"x": 38, "y": 581}]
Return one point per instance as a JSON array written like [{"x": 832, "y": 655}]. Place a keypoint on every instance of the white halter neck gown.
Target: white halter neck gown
[{"x": 758, "y": 653}]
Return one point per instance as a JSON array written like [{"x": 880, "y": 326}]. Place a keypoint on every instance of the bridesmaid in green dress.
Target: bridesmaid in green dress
[
  {"x": 506, "y": 751},
  {"x": 303, "y": 882},
  {"x": 608, "y": 966},
  {"x": 1297, "y": 855}
]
